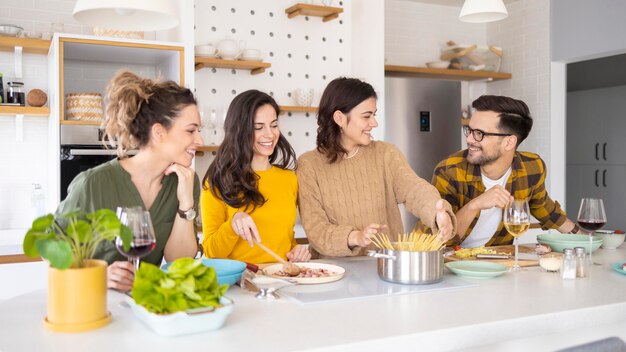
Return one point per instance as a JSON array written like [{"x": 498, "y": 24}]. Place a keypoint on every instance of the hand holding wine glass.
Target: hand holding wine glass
[
  {"x": 144, "y": 240},
  {"x": 516, "y": 221},
  {"x": 591, "y": 217}
]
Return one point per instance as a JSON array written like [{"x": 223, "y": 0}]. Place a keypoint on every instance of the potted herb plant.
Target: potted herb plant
[{"x": 76, "y": 283}]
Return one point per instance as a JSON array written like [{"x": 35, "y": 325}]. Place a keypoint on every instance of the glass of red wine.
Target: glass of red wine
[
  {"x": 591, "y": 217},
  {"x": 144, "y": 240}
]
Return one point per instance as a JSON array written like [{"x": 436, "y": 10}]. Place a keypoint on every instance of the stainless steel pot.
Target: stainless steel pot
[{"x": 405, "y": 267}]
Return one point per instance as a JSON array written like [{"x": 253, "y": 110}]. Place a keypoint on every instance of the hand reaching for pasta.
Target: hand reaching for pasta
[{"x": 363, "y": 238}]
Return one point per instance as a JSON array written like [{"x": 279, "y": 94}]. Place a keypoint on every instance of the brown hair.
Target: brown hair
[
  {"x": 230, "y": 175},
  {"x": 341, "y": 94},
  {"x": 514, "y": 114},
  {"x": 134, "y": 104}
]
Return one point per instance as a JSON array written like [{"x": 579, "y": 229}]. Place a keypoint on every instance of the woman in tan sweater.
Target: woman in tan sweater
[{"x": 350, "y": 186}]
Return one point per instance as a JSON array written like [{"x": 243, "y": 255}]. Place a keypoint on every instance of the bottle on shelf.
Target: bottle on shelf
[{"x": 38, "y": 201}]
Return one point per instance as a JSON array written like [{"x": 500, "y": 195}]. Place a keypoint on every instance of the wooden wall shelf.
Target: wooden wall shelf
[
  {"x": 294, "y": 108},
  {"x": 255, "y": 67},
  {"x": 327, "y": 13},
  {"x": 24, "y": 110},
  {"x": 443, "y": 73},
  {"x": 29, "y": 45},
  {"x": 208, "y": 148},
  {"x": 81, "y": 122}
]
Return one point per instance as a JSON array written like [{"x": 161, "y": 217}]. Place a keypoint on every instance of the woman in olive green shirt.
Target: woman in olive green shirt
[{"x": 161, "y": 120}]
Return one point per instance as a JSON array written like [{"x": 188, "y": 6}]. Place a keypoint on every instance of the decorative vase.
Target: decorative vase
[{"x": 77, "y": 298}]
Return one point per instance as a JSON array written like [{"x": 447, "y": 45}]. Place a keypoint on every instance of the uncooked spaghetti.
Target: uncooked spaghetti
[{"x": 413, "y": 242}]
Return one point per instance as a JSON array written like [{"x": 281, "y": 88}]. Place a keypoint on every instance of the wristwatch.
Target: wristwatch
[{"x": 188, "y": 215}]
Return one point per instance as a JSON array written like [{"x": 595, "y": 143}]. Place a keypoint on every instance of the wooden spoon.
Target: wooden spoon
[{"x": 289, "y": 268}]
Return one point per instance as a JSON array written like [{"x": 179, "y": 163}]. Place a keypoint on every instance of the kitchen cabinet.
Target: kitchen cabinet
[
  {"x": 596, "y": 157},
  {"x": 86, "y": 64}
]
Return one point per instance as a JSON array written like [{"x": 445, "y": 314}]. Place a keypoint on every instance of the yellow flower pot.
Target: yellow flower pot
[{"x": 77, "y": 298}]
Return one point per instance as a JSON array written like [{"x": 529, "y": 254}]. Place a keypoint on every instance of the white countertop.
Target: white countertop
[{"x": 514, "y": 311}]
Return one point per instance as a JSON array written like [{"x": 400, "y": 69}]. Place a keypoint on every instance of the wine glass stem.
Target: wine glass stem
[
  {"x": 516, "y": 265},
  {"x": 135, "y": 262},
  {"x": 590, "y": 244}
]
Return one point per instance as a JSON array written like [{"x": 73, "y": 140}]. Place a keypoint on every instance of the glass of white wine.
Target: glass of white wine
[{"x": 517, "y": 222}]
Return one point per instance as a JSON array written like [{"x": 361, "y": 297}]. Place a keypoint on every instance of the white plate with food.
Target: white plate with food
[{"x": 310, "y": 273}]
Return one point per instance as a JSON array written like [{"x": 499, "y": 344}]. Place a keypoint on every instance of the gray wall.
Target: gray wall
[{"x": 585, "y": 29}]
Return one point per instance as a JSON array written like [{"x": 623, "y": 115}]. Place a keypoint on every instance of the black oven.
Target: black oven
[
  {"x": 82, "y": 149},
  {"x": 76, "y": 158}
]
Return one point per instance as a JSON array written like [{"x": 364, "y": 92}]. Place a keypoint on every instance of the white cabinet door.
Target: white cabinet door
[
  {"x": 586, "y": 111},
  {"x": 613, "y": 181},
  {"x": 582, "y": 181}
]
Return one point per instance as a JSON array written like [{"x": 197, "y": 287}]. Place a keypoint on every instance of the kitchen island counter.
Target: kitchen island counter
[{"x": 514, "y": 306}]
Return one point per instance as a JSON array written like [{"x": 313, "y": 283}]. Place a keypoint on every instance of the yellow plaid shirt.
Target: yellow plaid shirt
[{"x": 459, "y": 182}]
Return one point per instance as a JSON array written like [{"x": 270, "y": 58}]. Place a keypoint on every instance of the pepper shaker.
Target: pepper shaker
[{"x": 581, "y": 270}]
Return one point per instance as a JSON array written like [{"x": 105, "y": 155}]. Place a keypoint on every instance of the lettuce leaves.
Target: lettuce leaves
[{"x": 186, "y": 285}]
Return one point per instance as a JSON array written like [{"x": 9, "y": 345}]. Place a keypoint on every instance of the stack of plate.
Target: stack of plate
[{"x": 558, "y": 242}]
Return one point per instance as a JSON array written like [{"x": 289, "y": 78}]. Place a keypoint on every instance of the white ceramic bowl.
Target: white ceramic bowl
[
  {"x": 182, "y": 323},
  {"x": 9, "y": 30},
  {"x": 611, "y": 240},
  {"x": 438, "y": 64},
  {"x": 206, "y": 50}
]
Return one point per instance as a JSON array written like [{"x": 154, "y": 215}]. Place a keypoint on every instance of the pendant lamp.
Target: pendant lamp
[
  {"x": 482, "y": 11},
  {"x": 127, "y": 15}
]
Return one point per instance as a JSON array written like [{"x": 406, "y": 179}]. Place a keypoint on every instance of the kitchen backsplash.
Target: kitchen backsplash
[{"x": 304, "y": 52}]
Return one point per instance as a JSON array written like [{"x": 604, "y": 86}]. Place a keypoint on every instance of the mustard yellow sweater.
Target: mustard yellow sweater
[
  {"x": 350, "y": 194},
  {"x": 274, "y": 220}
]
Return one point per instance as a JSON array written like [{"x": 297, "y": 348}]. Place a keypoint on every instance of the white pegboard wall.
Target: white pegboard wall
[{"x": 304, "y": 52}]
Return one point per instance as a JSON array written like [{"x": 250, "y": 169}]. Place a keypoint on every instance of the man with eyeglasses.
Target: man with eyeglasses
[{"x": 479, "y": 181}]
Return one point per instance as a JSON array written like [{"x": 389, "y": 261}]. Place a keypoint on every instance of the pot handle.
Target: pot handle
[{"x": 380, "y": 255}]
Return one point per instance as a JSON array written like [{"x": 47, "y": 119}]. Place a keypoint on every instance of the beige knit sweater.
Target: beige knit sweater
[{"x": 335, "y": 199}]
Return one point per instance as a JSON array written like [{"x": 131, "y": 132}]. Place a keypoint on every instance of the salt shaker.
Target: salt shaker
[
  {"x": 581, "y": 270},
  {"x": 568, "y": 268}
]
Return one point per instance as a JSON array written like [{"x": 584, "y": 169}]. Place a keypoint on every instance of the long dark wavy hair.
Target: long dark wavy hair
[
  {"x": 230, "y": 176},
  {"x": 341, "y": 94}
]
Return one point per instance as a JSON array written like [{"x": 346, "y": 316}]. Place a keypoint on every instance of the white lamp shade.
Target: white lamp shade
[
  {"x": 481, "y": 11},
  {"x": 129, "y": 15}
]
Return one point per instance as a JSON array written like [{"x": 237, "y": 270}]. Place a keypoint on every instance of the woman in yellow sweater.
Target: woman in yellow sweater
[{"x": 249, "y": 193}]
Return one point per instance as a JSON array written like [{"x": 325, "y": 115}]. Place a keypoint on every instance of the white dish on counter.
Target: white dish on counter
[
  {"x": 338, "y": 271},
  {"x": 183, "y": 323}
]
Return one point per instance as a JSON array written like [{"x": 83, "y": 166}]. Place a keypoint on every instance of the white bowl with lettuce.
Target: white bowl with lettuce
[{"x": 184, "y": 300}]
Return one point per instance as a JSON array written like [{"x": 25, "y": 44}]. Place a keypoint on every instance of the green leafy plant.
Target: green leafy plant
[
  {"x": 187, "y": 284},
  {"x": 71, "y": 245}
]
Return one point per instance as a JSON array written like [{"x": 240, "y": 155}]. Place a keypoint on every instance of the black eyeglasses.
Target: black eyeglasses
[{"x": 479, "y": 134}]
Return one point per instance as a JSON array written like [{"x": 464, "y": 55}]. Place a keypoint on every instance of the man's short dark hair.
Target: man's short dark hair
[{"x": 514, "y": 114}]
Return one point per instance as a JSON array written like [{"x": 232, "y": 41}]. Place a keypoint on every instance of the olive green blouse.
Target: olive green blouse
[{"x": 110, "y": 186}]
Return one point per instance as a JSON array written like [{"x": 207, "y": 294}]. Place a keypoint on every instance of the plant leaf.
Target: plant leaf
[
  {"x": 57, "y": 252},
  {"x": 81, "y": 230},
  {"x": 42, "y": 223},
  {"x": 126, "y": 235}
]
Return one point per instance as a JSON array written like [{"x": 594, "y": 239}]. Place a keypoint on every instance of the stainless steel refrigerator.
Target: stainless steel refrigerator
[{"x": 423, "y": 119}]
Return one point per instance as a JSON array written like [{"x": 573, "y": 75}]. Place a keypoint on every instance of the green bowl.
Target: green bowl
[
  {"x": 558, "y": 242},
  {"x": 564, "y": 237}
]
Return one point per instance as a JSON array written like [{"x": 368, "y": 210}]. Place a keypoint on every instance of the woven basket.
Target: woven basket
[
  {"x": 84, "y": 106},
  {"x": 105, "y": 32}
]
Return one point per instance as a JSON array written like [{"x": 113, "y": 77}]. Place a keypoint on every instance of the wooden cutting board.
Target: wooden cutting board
[{"x": 503, "y": 249}]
